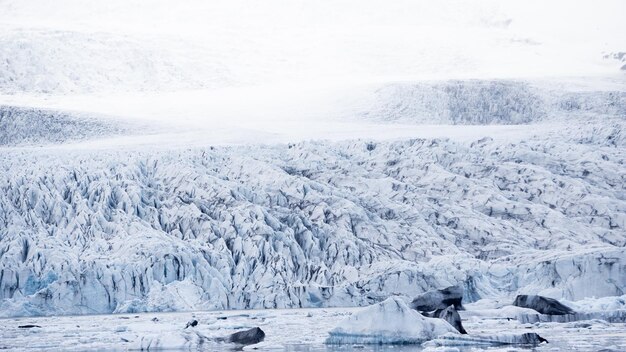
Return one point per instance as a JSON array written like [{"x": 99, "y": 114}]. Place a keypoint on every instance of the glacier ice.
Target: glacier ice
[
  {"x": 388, "y": 322},
  {"x": 611, "y": 316},
  {"x": 439, "y": 299},
  {"x": 246, "y": 337},
  {"x": 21, "y": 126},
  {"x": 543, "y": 305},
  {"x": 313, "y": 224},
  {"x": 452, "y": 317},
  {"x": 483, "y": 102},
  {"x": 281, "y": 327},
  {"x": 611, "y": 309},
  {"x": 525, "y": 339},
  {"x": 598, "y": 304}
]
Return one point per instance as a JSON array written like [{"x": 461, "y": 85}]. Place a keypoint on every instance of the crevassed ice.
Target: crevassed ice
[{"x": 312, "y": 224}]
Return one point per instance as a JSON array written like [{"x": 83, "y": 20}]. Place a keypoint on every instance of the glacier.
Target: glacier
[
  {"x": 484, "y": 102},
  {"x": 314, "y": 223},
  {"x": 27, "y": 126},
  {"x": 175, "y": 173}
]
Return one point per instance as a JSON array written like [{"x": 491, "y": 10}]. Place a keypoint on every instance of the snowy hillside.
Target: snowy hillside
[{"x": 36, "y": 61}]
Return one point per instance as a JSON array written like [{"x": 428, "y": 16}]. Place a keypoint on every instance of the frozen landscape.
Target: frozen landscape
[{"x": 311, "y": 169}]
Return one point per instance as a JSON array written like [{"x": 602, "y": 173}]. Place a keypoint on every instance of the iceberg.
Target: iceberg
[
  {"x": 389, "y": 322},
  {"x": 526, "y": 339}
]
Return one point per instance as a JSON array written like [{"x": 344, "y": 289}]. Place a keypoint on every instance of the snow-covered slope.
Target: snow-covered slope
[
  {"x": 87, "y": 46},
  {"x": 313, "y": 223},
  {"x": 37, "y": 61}
]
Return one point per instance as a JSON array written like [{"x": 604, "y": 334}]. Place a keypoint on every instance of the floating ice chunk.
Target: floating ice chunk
[
  {"x": 388, "y": 322},
  {"x": 526, "y": 339},
  {"x": 441, "y": 349},
  {"x": 598, "y": 304},
  {"x": 611, "y": 309},
  {"x": 504, "y": 313},
  {"x": 544, "y": 305},
  {"x": 197, "y": 339},
  {"x": 439, "y": 299},
  {"x": 615, "y": 316},
  {"x": 451, "y": 316},
  {"x": 245, "y": 337}
]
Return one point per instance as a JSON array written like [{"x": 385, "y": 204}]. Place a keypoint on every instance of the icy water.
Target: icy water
[{"x": 296, "y": 330}]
